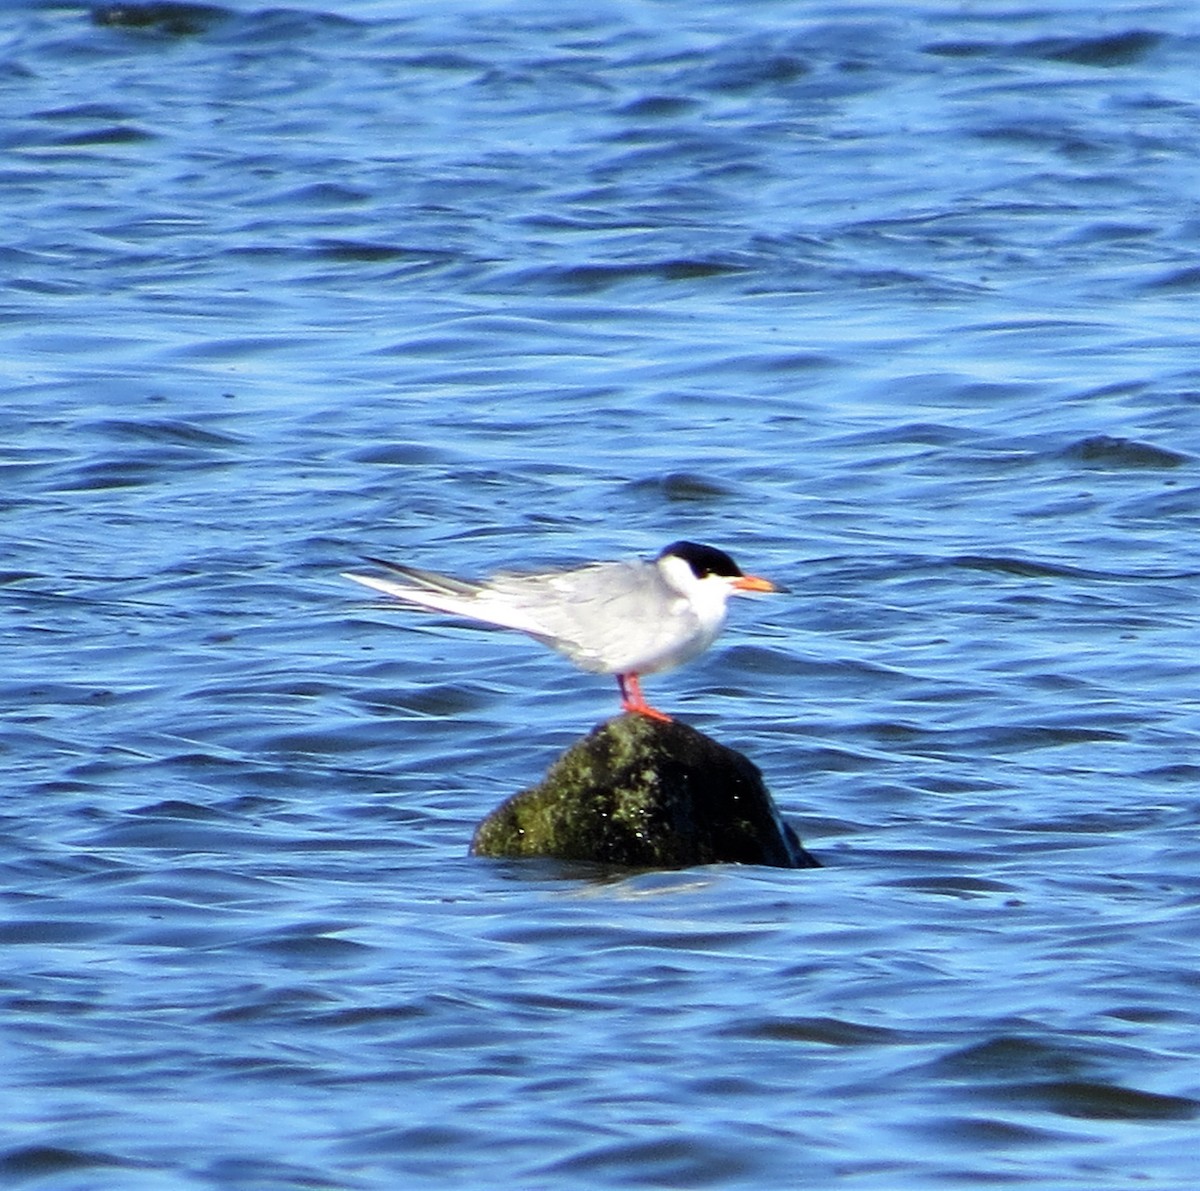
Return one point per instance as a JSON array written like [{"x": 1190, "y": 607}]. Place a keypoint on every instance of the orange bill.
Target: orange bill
[{"x": 754, "y": 583}]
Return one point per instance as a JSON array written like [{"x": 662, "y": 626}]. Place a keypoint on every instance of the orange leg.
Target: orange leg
[{"x": 631, "y": 699}]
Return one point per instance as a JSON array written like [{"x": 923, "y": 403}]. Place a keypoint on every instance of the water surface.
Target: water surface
[{"x": 897, "y": 303}]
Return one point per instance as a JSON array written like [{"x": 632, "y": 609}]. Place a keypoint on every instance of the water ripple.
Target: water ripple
[{"x": 896, "y": 305}]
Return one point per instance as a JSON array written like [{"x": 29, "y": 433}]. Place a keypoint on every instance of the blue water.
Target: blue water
[{"x": 895, "y": 302}]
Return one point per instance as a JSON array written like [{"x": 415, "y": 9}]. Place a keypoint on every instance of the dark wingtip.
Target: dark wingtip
[{"x": 380, "y": 562}]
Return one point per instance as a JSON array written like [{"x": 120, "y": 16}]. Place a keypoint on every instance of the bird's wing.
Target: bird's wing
[
  {"x": 430, "y": 580},
  {"x": 610, "y": 617},
  {"x": 442, "y": 593}
]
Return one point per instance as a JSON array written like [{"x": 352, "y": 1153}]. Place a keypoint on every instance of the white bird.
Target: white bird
[{"x": 622, "y": 618}]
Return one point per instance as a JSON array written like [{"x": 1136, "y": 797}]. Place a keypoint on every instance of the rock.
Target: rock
[
  {"x": 648, "y": 794},
  {"x": 174, "y": 17}
]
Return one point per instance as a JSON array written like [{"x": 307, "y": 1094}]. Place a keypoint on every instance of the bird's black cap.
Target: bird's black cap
[{"x": 704, "y": 560}]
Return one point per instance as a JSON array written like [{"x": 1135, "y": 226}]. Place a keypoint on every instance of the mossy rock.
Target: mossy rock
[{"x": 647, "y": 794}]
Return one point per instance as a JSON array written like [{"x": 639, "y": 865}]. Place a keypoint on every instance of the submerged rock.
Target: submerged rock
[
  {"x": 175, "y": 17},
  {"x": 648, "y": 794}
]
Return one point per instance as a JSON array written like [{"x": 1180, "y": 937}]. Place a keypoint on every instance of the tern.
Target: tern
[{"x": 624, "y": 618}]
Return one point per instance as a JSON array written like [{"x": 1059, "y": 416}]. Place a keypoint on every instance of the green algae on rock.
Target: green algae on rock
[{"x": 648, "y": 794}]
